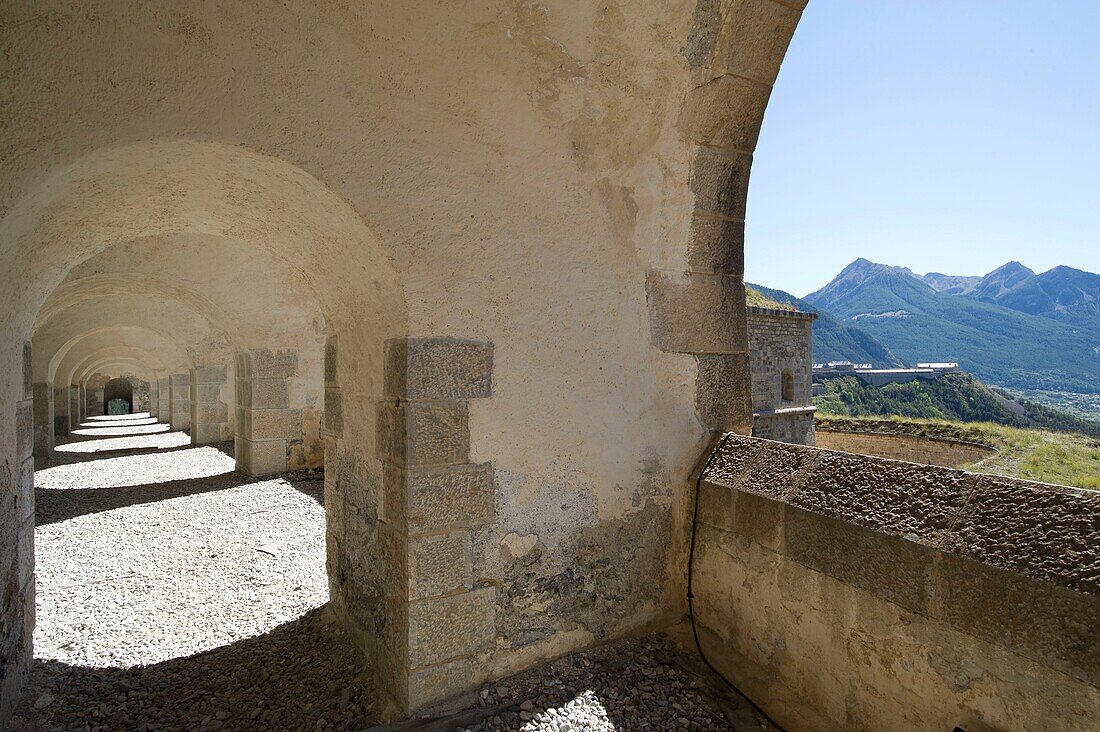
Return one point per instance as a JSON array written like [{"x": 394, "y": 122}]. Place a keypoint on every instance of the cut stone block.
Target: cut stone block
[
  {"x": 438, "y": 368},
  {"x": 446, "y": 628},
  {"x": 274, "y": 423},
  {"x": 266, "y": 363},
  {"x": 334, "y": 411},
  {"x": 436, "y": 683},
  {"x": 209, "y": 374},
  {"x": 723, "y": 398},
  {"x": 417, "y": 434},
  {"x": 264, "y": 457},
  {"x": 727, "y": 111},
  {"x": 440, "y": 564},
  {"x": 720, "y": 181},
  {"x": 692, "y": 312},
  {"x": 457, "y": 496},
  {"x": 717, "y": 245}
]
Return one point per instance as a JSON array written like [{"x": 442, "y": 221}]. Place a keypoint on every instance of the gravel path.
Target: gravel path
[
  {"x": 643, "y": 684},
  {"x": 174, "y": 593}
]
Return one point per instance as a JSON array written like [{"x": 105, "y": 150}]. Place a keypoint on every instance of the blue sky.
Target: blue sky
[{"x": 939, "y": 135}]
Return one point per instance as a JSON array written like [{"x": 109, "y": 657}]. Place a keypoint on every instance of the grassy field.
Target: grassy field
[{"x": 1051, "y": 457}]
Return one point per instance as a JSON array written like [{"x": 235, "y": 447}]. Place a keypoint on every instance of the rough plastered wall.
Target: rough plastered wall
[
  {"x": 562, "y": 186},
  {"x": 780, "y": 342},
  {"x": 849, "y": 592},
  {"x": 912, "y": 448}
]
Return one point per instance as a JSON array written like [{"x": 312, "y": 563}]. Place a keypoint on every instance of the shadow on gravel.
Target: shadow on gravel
[
  {"x": 303, "y": 675},
  {"x": 51, "y": 506}
]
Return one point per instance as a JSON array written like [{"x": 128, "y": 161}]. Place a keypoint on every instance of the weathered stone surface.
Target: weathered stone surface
[
  {"x": 445, "y": 628},
  {"x": 456, "y": 496},
  {"x": 440, "y": 564},
  {"x": 722, "y": 397},
  {"x": 778, "y": 472},
  {"x": 209, "y": 412},
  {"x": 267, "y": 363},
  {"x": 43, "y": 418},
  {"x": 417, "y": 434},
  {"x": 209, "y": 374},
  {"x": 716, "y": 245},
  {"x": 946, "y": 453},
  {"x": 439, "y": 368},
  {"x": 443, "y": 681},
  {"x": 24, "y": 429},
  {"x": 331, "y": 360},
  {"x": 896, "y": 570},
  {"x": 755, "y": 37},
  {"x": 1053, "y": 625},
  {"x": 726, "y": 111},
  {"x": 264, "y": 424},
  {"x": 263, "y": 393},
  {"x": 334, "y": 411},
  {"x": 206, "y": 393},
  {"x": 727, "y": 465},
  {"x": 691, "y": 312},
  {"x": 260, "y": 457},
  {"x": 720, "y": 181},
  {"x": 28, "y": 371},
  {"x": 917, "y": 502}
]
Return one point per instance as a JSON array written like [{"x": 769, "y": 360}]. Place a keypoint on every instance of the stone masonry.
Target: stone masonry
[
  {"x": 17, "y": 549},
  {"x": 441, "y": 497},
  {"x": 209, "y": 414},
  {"x": 779, "y": 350},
  {"x": 179, "y": 401},
  {"x": 266, "y": 424},
  {"x": 164, "y": 400}
]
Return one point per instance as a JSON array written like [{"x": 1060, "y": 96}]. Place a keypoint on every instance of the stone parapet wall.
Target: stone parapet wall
[
  {"x": 848, "y": 592},
  {"x": 911, "y": 448}
]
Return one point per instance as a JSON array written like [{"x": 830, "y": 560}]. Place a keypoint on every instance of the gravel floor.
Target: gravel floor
[
  {"x": 174, "y": 593},
  {"x": 643, "y": 684}
]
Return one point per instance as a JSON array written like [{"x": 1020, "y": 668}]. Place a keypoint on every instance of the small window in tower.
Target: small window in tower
[{"x": 788, "y": 386}]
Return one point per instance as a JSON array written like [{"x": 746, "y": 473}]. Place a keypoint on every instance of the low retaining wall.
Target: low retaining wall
[
  {"x": 848, "y": 592},
  {"x": 912, "y": 448}
]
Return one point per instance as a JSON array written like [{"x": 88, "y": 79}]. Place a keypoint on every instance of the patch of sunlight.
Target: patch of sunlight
[
  {"x": 158, "y": 441},
  {"x": 584, "y": 709},
  {"x": 143, "y": 469},
  {"x": 138, "y": 428},
  {"x": 145, "y": 583}
]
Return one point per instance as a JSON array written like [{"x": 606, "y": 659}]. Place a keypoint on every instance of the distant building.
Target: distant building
[
  {"x": 780, "y": 362},
  {"x": 881, "y": 377}
]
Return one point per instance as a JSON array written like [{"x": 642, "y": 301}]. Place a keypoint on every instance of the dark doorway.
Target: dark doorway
[{"x": 118, "y": 397}]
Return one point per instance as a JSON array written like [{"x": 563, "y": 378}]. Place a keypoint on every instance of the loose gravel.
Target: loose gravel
[
  {"x": 642, "y": 684},
  {"x": 174, "y": 593}
]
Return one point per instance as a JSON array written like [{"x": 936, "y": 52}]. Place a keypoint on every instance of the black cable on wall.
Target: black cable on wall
[{"x": 691, "y": 595}]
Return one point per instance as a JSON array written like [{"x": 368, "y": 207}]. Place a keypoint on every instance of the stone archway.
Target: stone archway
[{"x": 486, "y": 335}]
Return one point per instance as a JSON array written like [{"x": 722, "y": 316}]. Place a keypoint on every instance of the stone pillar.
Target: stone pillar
[
  {"x": 434, "y": 500},
  {"x": 266, "y": 425},
  {"x": 17, "y": 550},
  {"x": 43, "y": 418},
  {"x": 209, "y": 414},
  {"x": 61, "y": 411},
  {"x": 93, "y": 401},
  {"x": 154, "y": 398},
  {"x": 179, "y": 401},
  {"x": 75, "y": 403},
  {"x": 164, "y": 400}
]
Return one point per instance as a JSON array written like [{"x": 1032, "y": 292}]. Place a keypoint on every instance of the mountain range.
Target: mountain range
[
  {"x": 1012, "y": 327},
  {"x": 835, "y": 341}
]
